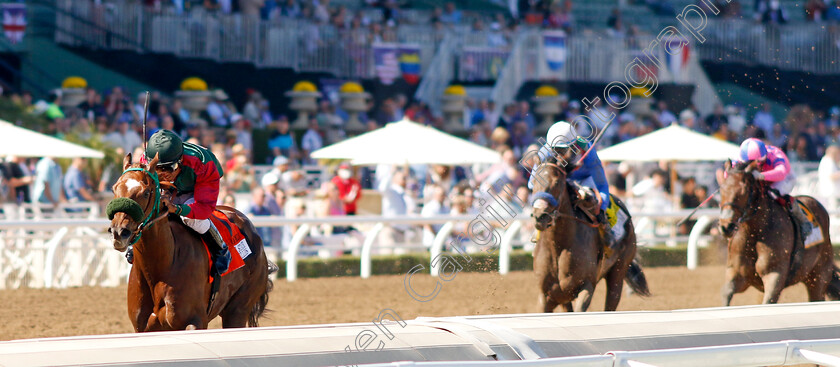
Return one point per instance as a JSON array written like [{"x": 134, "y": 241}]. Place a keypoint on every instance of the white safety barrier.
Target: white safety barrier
[
  {"x": 824, "y": 352},
  {"x": 33, "y": 253},
  {"x": 762, "y": 335}
]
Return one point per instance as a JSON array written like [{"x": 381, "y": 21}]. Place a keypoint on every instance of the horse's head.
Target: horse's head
[
  {"x": 736, "y": 195},
  {"x": 548, "y": 194},
  {"x": 136, "y": 201}
]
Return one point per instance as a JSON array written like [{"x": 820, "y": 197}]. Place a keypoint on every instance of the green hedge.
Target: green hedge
[
  {"x": 401, "y": 264},
  {"x": 483, "y": 262}
]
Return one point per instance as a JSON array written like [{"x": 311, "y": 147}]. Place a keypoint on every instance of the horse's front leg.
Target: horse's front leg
[
  {"x": 735, "y": 283},
  {"x": 584, "y": 297},
  {"x": 140, "y": 303},
  {"x": 773, "y": 284}
]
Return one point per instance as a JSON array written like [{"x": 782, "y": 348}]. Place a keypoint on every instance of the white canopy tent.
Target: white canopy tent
[
  {"x": 406, "y": 142},
  {"x": 21, "y": 142},
  {"x": 673, "y": 143}
]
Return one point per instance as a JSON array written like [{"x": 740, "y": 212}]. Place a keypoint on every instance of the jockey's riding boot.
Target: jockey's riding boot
[
  {"x": 804, "y": 224},
  {"x": 609, "y": 239},
  {"x": 222, "y": 258},
  {"x": 129, "y": 254}
]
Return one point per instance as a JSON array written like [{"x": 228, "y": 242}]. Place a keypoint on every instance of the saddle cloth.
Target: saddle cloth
[
  {"x": 235, "y": 240},
  {"x": 617, "y": 218},
  {"x": 615, "y": 215},
  {"x": 816, "y": 236}
]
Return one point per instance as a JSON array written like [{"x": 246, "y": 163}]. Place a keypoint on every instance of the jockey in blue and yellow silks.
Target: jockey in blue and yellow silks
[{"x": 563, "y": 142}]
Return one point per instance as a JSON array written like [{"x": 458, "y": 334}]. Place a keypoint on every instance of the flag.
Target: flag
[
  {"x": 649, "y": 69},
  {"x": 410, "y": 63},
  {"x": 14, "y": 21},
  {"x": 554, "y": 43},
  {"x": 386, "y": 62},
  {"x": 678, "y": 63}
]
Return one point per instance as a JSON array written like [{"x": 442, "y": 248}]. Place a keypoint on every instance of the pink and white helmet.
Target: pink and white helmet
[{"x": 753, "y": 149}]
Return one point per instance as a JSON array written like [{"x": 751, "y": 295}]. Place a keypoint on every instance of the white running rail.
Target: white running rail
[{"x": 824, "y": 352}]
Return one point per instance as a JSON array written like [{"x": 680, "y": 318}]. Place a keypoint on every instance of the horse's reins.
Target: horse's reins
[
  {"x": 556, "y": 212},
  {"x": 149, "y": 218}
]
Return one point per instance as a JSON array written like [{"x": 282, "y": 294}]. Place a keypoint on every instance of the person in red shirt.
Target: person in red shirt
[{"x": 349, "y": 189}]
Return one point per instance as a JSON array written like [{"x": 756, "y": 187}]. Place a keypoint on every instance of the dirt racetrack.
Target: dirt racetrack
[{"x": 33, "y": 313}]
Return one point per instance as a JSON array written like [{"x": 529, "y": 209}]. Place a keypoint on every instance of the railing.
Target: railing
[
  {"x": 809, "y": 47},
  {"x": 824, "y": 352},
  {"x": 76, "y": 252},
  {"x": 285, "y": 42},
  {"x": 62, "y": 252}
]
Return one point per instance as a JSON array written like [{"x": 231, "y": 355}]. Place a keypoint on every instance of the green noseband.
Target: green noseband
[
  {"x": 132, "y": 208},
  {"x": 127, "y": 206}
]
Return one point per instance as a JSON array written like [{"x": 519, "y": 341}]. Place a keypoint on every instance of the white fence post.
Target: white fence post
[
  {"x": 507, "y": 246},
  {"x": 697, "y": 230},
  {"x": 437, "y": 246},
  {"x": 51, "y": 246},
  {"x": 294, "y": 247},
  {"x": 366, "y": 247}
]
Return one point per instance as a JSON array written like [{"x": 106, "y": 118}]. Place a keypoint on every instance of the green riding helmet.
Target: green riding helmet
[{"x": 166, "y": 143}]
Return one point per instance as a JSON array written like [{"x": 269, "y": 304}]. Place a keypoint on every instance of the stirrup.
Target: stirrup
[
  {"x": 129, "y": 255},
  {"x": 222, "y": 261}
]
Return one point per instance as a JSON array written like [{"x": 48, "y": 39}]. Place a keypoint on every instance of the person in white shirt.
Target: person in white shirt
[
  {"x": 394, "y": 202},
  {"x": 434, "y": 207},
  {"x": 829, "y": 175},
  {"x": 124, "y": 138},
  {"x": 311, "y": 141}
]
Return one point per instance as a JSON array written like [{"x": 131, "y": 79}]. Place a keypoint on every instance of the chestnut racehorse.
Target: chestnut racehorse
[
  {"x": 762, "y": 240},
  {"x": 168, "y": 287},
  {"x": 568, "y": 257}
]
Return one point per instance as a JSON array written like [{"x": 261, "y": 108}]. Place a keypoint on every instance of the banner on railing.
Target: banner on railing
[
  {"x": 482, "y": 63},
  {"x": 14, "y": 22},
  {"x": 554, "y": 43},
  {"x": 392, "y": 60}
]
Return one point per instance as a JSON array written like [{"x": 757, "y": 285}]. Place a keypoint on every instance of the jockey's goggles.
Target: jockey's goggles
[{"x": 168, "y": 167}]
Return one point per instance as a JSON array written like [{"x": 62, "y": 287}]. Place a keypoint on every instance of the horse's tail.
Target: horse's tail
[
  {"x": 635, "y": 278},
  {"x": 833, "y": 290},
  {"x": 260, "y": 307}
]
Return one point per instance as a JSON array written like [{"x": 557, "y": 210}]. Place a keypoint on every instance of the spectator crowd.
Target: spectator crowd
[{"x": 289, "y": 189}]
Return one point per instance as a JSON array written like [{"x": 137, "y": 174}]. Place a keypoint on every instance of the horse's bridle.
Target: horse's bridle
[
  {"x": 746, "y": 213},
  {"x": 550, "y": 198},
  {"x": 135, "y": 236}
]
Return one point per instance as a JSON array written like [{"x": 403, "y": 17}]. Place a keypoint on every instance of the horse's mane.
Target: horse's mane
[{"x": 740, "y": 166}]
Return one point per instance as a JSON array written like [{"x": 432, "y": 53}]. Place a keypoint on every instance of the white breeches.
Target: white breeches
[
  {"x": 785, "y": 186},
  {"x": 199, "y": 225}
]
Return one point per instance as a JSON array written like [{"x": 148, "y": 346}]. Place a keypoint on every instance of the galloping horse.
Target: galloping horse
[
  {"x": 763, "y": 249},
  {"x": 568, "y": 258},
  {"x": 168, "y": 287}
]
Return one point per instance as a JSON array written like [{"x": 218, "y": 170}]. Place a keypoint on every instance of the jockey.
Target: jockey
[
  {"x": 195, "y": 173},
  {"x": 775, "y": 168},
  {"x": 564, "y": 143}
]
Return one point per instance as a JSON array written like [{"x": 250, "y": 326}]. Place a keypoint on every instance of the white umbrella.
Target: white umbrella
[
  {"x": 673, "y": 143},
  {"x": 21, "y": 142},
  {"x": 406, "y": 142}
]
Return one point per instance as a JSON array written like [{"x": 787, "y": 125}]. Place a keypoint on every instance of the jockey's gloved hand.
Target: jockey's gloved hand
[
  {"x": 172, "y": 208},
  {"x": 758, "y": 175}
]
